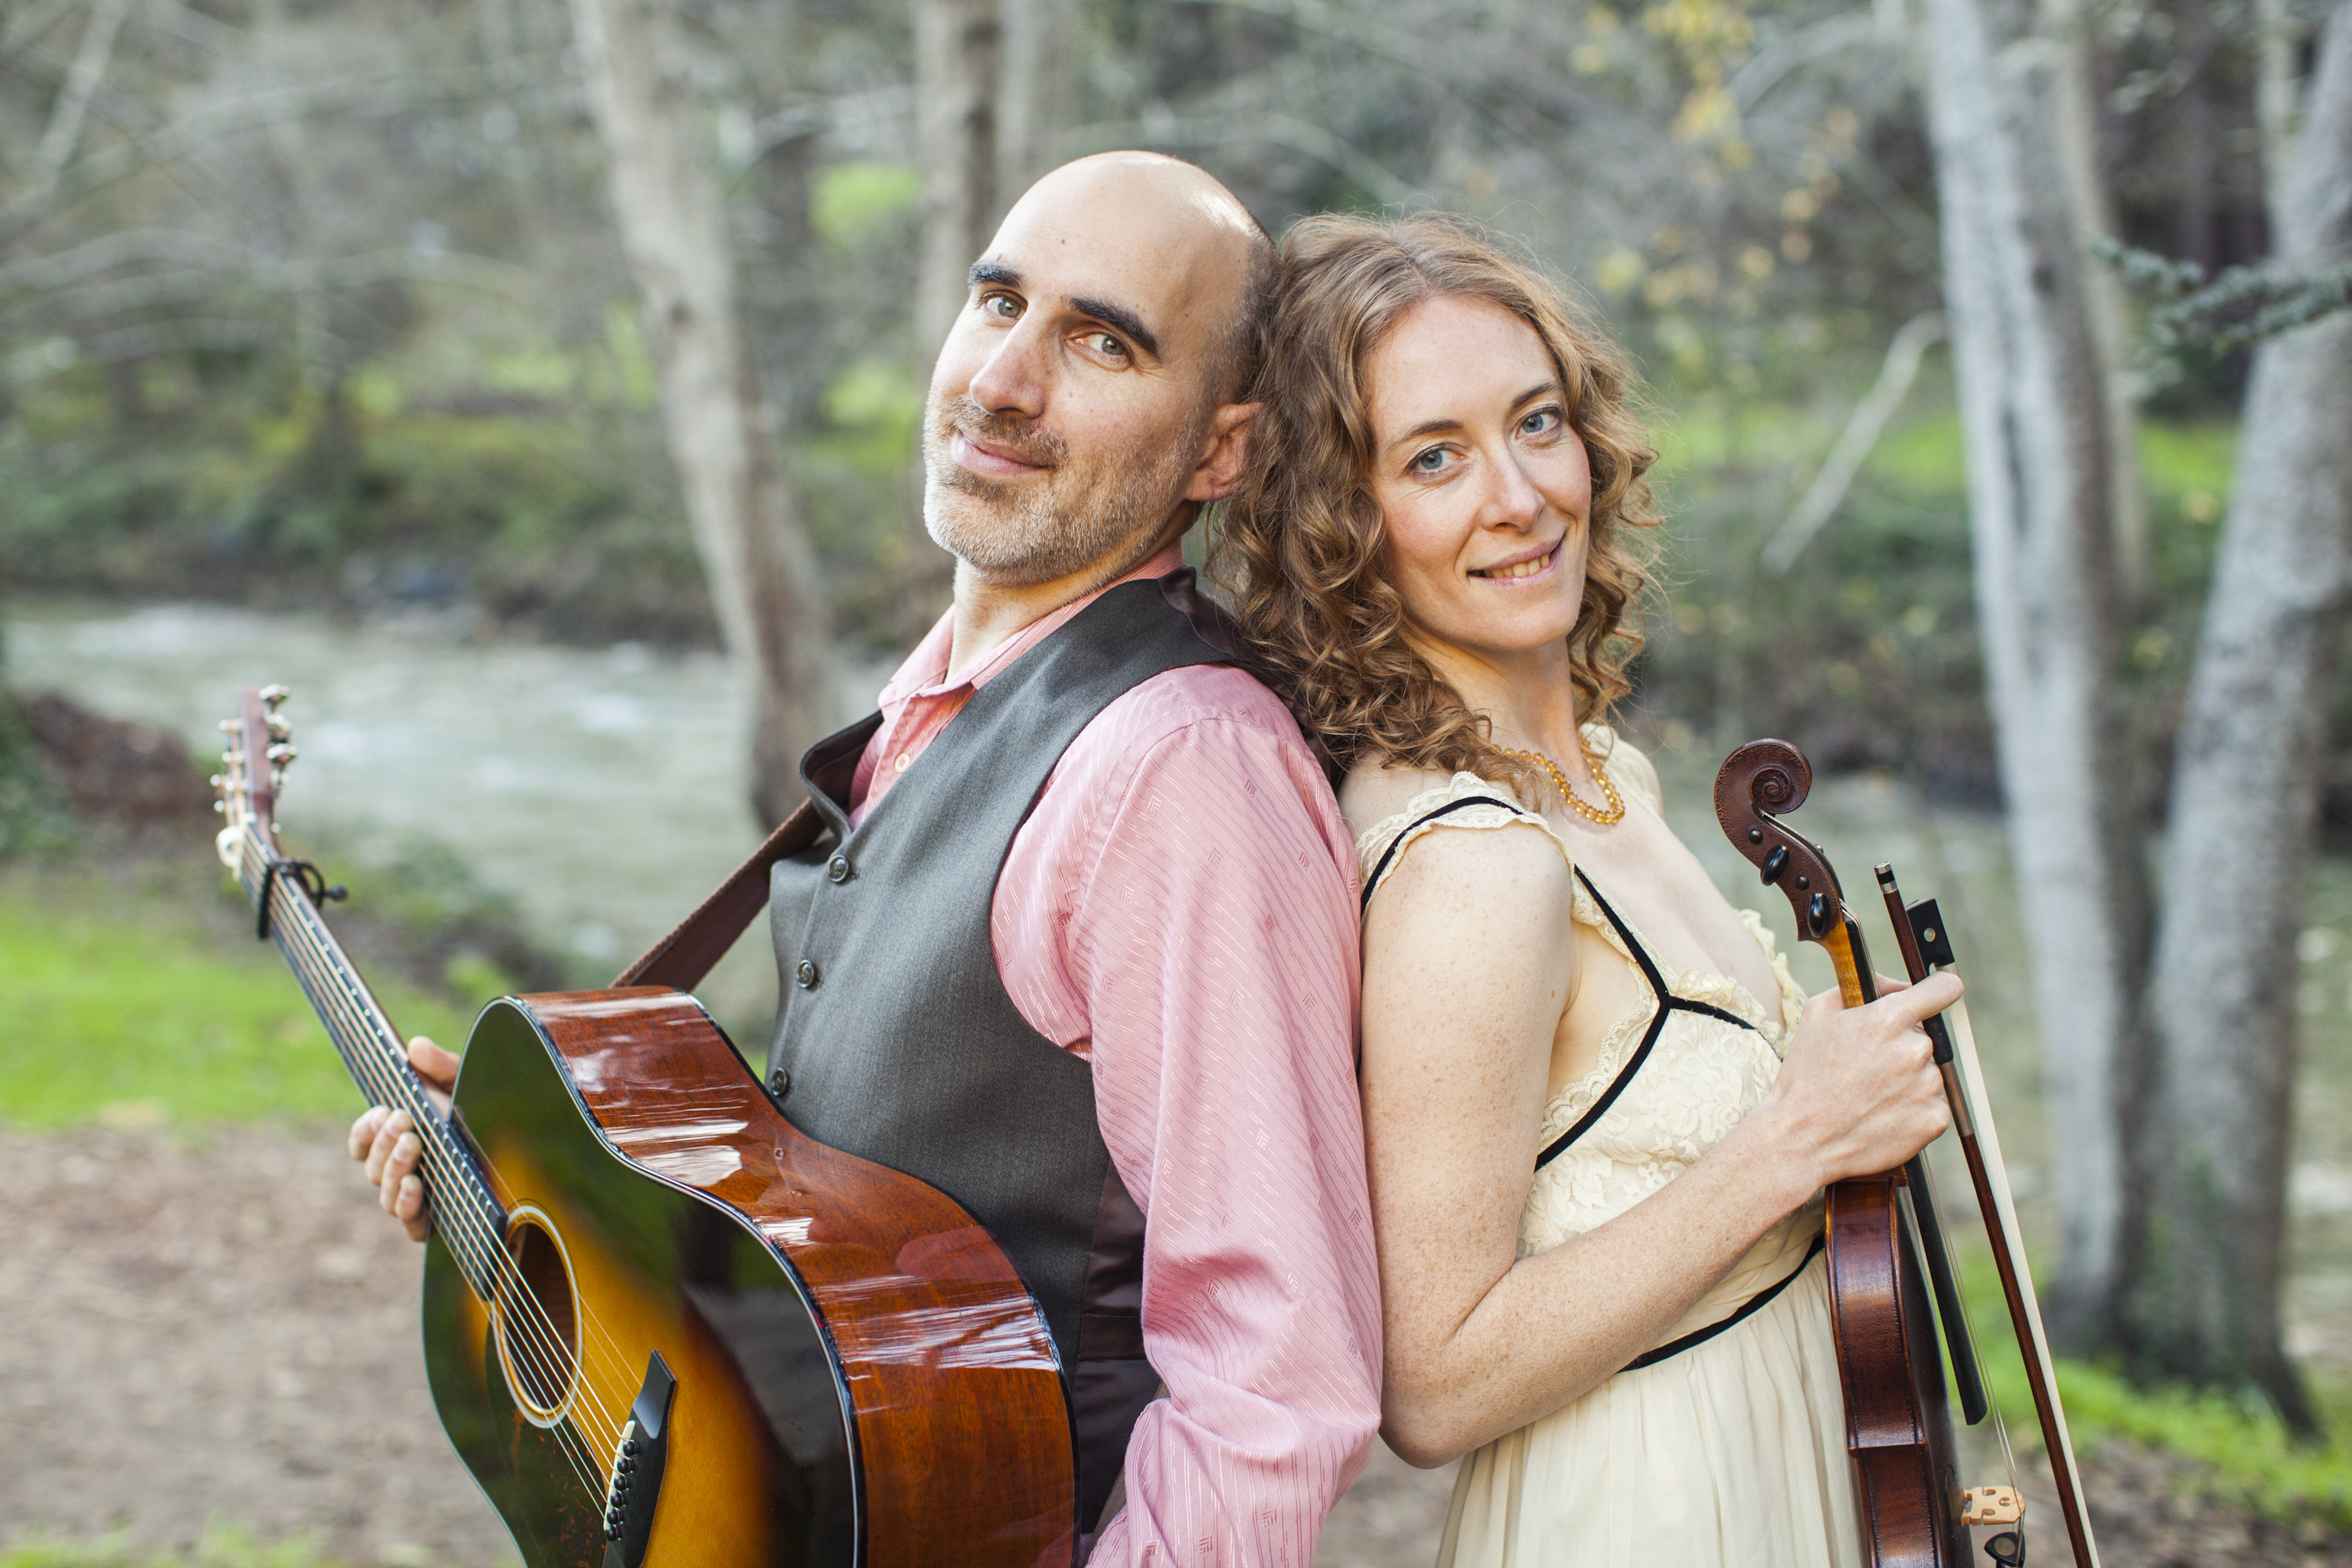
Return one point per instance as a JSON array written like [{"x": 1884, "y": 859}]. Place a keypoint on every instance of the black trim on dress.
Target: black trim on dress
[
  {"x": 1667, "y": 1002},
  {"x": 1749, "y": 1308}
]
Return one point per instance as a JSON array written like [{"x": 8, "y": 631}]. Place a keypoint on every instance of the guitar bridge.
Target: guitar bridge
[{"x": 639, "y": 1455}]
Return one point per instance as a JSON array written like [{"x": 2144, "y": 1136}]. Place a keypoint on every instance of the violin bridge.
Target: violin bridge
[{"x": 1991, "y": 1505}]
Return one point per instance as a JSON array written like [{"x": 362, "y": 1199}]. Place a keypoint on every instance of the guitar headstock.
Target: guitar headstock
[{"x": 253, "y": 770}]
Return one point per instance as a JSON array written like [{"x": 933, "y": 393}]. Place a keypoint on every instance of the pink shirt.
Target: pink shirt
[{"x": 1180, "y": 908}]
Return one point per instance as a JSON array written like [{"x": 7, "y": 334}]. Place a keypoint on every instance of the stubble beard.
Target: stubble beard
[{"x": 1085, "y": 514}]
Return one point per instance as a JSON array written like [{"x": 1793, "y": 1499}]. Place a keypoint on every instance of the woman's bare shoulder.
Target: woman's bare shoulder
[{"x": 1372, "y": 793}]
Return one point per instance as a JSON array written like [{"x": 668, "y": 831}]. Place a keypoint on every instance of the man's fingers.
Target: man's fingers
[
  {"x": 388, "y": 1134},
  {"x": 433, "y": 1064},
  {"x": 363, "y": 1131}
]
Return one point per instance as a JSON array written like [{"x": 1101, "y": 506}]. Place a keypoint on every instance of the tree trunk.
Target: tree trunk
[
  {"x": 1038, "y": 92},
  {"x": 2033, "y": 414},
  {"x": 958, "y": 54},
  {"x": 959, "y": 78},
  {"x": 2245, "y": 813},
  {"x": 764, "y": 574}
]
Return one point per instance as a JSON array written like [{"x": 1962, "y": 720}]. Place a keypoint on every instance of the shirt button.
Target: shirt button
[
  {"x": 837, "y": 868},
  {"x": 805, "y": 976},
  {"x": 903, "y": 763}
]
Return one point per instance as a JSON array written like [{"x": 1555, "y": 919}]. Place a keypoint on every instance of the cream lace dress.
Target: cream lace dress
[{"x": 1725, "y": 1444}]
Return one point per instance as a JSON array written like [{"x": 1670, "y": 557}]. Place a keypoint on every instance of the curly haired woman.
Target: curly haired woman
[{"x": 1599, "y": 1115}]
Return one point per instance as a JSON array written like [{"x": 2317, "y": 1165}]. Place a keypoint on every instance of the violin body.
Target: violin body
[
  {"x": 1897, "y": 1413},
  {"x": 1885, "y": 1316}
]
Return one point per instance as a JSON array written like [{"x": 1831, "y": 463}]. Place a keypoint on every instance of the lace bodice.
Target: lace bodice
[{"x": 1702, "y": 1075}]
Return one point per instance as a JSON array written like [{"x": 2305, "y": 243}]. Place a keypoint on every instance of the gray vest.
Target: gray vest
[{"x": 896, "y": 1040}]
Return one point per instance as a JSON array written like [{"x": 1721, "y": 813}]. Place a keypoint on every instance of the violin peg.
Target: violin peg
[{"x": 1991, "y": 1505}]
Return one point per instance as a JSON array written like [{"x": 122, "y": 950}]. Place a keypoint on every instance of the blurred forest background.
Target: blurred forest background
[{"x": 579, "y": 341}]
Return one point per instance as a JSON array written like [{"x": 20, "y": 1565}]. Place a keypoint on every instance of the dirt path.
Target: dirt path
[{"x": 227, "y": 1330}]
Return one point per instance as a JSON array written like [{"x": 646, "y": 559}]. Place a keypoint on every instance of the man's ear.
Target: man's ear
[{"x": 1225, "y": 451}]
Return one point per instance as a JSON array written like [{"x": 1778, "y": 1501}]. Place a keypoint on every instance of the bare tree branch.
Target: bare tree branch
[
  {"x": 57, "y": 143},
  {"x": 1821, "y": 503}
]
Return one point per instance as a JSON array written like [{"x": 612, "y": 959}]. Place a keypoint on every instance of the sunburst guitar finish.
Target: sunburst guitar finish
[{"x": 662, "y": 1326}]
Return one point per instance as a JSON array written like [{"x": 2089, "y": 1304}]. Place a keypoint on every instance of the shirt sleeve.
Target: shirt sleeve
[{"x": 1212, "y": 946}]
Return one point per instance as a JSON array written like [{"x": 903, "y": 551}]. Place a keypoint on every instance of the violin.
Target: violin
[{"x": 1891, "y": 1278}]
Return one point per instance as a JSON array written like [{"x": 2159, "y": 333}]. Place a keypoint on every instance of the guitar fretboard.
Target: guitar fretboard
[{"x": 469, "y": 1219}]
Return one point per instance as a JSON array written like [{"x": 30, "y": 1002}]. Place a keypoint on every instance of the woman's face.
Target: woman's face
[{"x": 1484, "y": 489}]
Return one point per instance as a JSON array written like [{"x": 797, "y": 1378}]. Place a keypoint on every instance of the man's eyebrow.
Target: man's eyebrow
[
  {"x": 995, "y": 272},
  {"x": 1119, "y": 320}
]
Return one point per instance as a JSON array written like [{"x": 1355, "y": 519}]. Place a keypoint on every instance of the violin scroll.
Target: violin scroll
[{"x": 1756, "y": 785}]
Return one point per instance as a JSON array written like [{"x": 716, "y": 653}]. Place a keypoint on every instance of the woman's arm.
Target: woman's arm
[{"x": 1464, "y": 984}]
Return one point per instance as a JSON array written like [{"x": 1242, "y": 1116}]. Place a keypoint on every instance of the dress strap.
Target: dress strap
[
  {"x": 1667, "y": 1002},
  {"x": 1448, "y": 809}
]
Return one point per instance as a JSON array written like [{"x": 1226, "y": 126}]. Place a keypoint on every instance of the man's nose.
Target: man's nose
[{"x": 1013, "y": 380}]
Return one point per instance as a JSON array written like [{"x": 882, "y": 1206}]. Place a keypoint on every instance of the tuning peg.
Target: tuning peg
[
  {"x": 228, "y": 726},
  {"x": 216, "y": 781},
  {"x": 221, "y": 806},
  {"x": 278, "y": 730},
  {"x": 271, "y": 696},
  {"x": 282, "y": 753}
]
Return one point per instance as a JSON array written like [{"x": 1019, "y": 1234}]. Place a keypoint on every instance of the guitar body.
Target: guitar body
[
  {"x": 1890, "y": 1366},
  {"x": 860, "y": 1377}
]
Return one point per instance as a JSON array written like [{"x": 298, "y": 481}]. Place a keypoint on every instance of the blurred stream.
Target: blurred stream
[{"x": 604, "y": 791}]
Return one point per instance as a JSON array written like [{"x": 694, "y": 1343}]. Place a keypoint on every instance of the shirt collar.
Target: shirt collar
[{"x": 924, "y": 673}]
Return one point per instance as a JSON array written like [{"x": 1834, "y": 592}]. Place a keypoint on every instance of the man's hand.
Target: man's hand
[{"x": 386, "y": 1141}]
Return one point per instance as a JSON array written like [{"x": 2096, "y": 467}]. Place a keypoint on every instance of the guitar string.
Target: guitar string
[
  {"x": 313, "y": 961},
  {"x": 539, "y": 1350},
  {"x": 544, "y": 1354},
  {"x": 536, "y": 1350},
  {"x": 617, "y": 1365}
]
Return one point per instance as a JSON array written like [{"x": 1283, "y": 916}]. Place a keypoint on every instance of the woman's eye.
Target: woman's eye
[
  {"x": 1542, "y": 422},
  {"x": 1429, "y": 462}
]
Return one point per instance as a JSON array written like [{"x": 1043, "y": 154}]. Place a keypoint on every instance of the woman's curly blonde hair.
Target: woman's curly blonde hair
[{"x": 1300, "y": 543}]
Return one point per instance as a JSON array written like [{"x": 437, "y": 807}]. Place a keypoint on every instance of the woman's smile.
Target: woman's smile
[{"x": 1519, "y": 568}]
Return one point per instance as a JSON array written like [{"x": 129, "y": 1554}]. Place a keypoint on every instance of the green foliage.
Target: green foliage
[
  {"x": 129, "y": 1011},
  {"x": 32, "y": 814},
  {"x": 221, "y": 1546},
  {"x": 2243, "y": 1451},
  {"x": 849, "y": 201},
  {"x": 552, "y": 515},
  {"x": 1865, "y": 654}
]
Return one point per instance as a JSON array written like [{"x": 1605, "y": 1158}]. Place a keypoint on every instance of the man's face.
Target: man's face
[{"x": 1074, "y": 399}]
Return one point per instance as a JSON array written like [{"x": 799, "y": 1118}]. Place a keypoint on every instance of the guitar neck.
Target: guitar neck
[{"x": 469, "y": 1218}]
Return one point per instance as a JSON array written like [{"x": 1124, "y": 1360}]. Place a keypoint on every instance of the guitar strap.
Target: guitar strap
[{"x": 681, "y": 959}]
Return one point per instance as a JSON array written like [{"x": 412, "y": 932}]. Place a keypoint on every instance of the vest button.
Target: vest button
[
  {"x": 805, "y": 976},
  {"x": 779, "y": 1083},
  {"x": 837, "y": 868}
]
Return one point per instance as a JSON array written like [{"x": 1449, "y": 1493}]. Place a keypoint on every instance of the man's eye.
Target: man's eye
[
  {"x": 1104, "y": 343},
  {"x": 1001, "y": 305}
]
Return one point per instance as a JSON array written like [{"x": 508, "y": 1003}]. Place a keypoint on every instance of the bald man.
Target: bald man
[{"x": 1079, "y": 946}]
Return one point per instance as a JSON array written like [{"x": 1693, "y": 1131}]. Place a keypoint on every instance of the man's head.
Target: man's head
[{"x": 1088, "y": 399}]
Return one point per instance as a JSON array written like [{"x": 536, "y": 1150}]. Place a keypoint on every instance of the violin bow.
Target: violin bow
[{"x": 1925, "y": 941}]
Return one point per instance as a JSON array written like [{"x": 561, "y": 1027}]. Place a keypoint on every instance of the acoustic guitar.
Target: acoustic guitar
[{"x": 661, "y": 1326}]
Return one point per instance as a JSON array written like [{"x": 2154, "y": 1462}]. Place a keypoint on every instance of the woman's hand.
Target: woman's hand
[{"x": 1859, "y": 1091}]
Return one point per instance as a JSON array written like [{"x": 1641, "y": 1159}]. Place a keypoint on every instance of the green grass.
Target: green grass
[
  {"x": 221, "y": 1547},
  {"x": 114, "y": 1009},
  {"x": 2242, "y": 1449}
]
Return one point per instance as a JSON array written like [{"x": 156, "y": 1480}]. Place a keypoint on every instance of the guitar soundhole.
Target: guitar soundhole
[{"x": 539, "y": 1325}]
